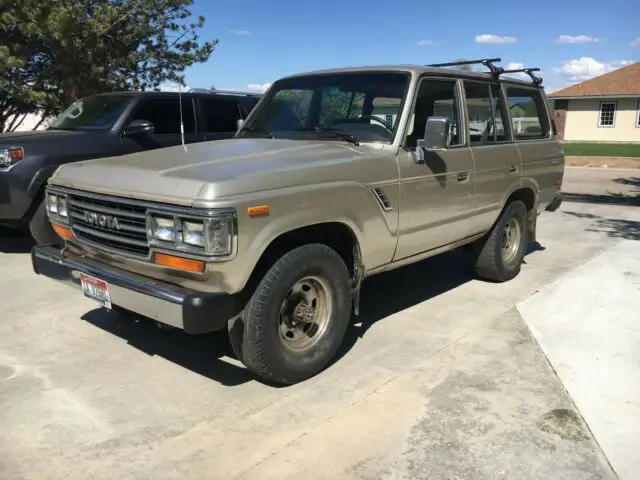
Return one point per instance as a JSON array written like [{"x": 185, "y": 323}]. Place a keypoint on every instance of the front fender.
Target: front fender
[{"x": 348, "y": 203}]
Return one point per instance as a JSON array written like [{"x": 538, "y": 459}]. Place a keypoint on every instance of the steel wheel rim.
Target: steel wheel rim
[
  {"x": 305, "y": 313},
  {"x": 510, "y": 240}
]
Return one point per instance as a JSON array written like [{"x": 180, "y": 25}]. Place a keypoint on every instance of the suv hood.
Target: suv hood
[{"x": 206, "y": 171}]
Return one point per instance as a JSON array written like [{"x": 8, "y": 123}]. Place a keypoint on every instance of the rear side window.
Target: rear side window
[
  {"x": 164, "y": 113},
  {"x": 528, "y": 113},
  {"x": 484, "y": 113},
  {"x": 220, "y": 114}
]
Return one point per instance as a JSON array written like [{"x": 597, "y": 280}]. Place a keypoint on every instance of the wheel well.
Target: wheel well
[
  {"x": 333, "y": 234},
  {"x": 526, "y": 195}
]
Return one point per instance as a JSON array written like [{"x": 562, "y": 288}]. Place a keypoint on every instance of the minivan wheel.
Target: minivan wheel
[
  {"x": 295, "y": 321},
  {"x": 501, "y": 252}
]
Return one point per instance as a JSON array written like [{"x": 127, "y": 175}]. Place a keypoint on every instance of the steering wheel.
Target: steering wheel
[
  {"x": 379, "y": 120},
  {"x": 371, "y": 117}
]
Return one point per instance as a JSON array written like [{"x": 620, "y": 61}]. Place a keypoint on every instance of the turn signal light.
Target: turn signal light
[
  {"x": 179, "y": 263},
  {"x": 63, "y": 232}
]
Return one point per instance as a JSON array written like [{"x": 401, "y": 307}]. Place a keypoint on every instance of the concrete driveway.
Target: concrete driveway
[{"x": 440, "y": 378}]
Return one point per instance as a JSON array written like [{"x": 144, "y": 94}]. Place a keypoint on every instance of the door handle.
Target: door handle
[
  {"x": 514, "y": 169},
  {"x": 463, "y": 176}
]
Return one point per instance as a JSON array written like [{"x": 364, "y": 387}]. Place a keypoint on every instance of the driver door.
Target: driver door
[{"x": 436, "y": 196}]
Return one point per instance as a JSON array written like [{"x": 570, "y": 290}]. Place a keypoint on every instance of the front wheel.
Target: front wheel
[
  {"x": 296, "y": 319},
  {"x": 40, "y": 228}
]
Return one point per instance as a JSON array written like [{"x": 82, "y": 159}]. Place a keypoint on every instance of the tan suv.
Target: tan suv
[{"x": 335, "y": 176}]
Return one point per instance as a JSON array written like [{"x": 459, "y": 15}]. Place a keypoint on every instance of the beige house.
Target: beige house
[{"x": 603, "y": 109}]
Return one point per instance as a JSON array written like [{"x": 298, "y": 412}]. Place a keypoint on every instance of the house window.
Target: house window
[{"x": 607, "y": 117}]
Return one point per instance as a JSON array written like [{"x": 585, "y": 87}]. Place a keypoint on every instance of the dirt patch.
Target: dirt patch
[{"x": 605, "y": 162}]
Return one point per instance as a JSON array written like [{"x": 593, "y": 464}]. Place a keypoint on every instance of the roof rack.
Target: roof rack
[
  {"x": 487, "y": 62},
  {"x": 537, "y": 81},
  {"x": 495, "y": 71}
]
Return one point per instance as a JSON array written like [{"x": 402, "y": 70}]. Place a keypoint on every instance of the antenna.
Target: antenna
[{"x": 181, "y": 119}]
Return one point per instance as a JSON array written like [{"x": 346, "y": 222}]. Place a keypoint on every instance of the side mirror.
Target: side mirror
[
  {"x": 436, "y": 137},
  {"x": 239, "y": 124},
  {"x": 139, "y": 127}
]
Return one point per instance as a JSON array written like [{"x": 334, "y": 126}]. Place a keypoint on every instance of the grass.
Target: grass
[{"x": 602, "y": 149}]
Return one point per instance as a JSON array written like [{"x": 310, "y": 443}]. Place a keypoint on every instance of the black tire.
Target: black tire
[
  {"x": 40, "y": 228},
  {"x": 490, "y": 263},
  {"x": 256, "y": 336}
]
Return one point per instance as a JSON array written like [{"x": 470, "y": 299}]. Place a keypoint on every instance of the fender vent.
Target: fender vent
[{"x": 382, "y": 198}]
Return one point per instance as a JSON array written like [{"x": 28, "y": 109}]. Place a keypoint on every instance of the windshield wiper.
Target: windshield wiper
[{"x": 345, "y": 136}]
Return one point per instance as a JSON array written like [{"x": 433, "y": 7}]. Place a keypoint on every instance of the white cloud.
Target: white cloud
[
  {"x": 516, "y": 66},
  {"x": 240, "y": 32},
  {"x": 487, "y": 38},
  {"x": 425, "y": 43},
  {"x": 576, "y": 39},
  {"x": 635, "y": 42},
  {"x": 584, "y": 68},
  {"x": 258, "y": 87}
]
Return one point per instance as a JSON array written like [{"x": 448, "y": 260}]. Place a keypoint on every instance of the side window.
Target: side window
[
  {"x": 528, "y": 113},
  {"x": 434, "y": 98},
  {"x": 607, "y": 116},
  {"x": 164, "y": 113},
  {"x": 220, "y": 114},
  {"x": 484, "y": 113}
]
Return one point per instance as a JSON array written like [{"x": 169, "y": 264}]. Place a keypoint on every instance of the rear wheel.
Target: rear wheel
[
  {"x": 499, "y": 255},
  {"x": 296, "y": 319}
]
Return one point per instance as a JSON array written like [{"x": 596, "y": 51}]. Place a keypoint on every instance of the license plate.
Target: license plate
[{"x": 96, "y": 289}]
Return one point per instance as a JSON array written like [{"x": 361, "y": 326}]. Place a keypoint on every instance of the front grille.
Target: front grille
[{"x": 130, "y": 234}]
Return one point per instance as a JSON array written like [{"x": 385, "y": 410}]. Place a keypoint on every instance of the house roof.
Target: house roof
[{"x": 620, "y": 82}]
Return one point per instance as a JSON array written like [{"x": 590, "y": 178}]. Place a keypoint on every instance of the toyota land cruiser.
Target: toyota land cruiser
[{"x": 335, "y": 176}]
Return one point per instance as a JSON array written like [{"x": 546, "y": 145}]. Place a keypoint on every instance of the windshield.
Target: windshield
[
  {"x": 93, "y": 112},
  {"x": 361, "y": 106}
]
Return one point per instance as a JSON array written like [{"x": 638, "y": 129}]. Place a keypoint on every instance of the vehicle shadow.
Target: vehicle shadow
[
  {"x": 612, "y": 227},
  {"x": 202, "y": 354},
  {"x": 382, "y": 296},
  {"x": 15, "y": 241},
  {"x": 630, "y": 196}
]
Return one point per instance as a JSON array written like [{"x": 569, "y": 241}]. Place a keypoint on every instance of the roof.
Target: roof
[
  {"x": 184, "y": 93},
  {"x": 624, "y": 81},
  {"x": 411, "y": 69}
]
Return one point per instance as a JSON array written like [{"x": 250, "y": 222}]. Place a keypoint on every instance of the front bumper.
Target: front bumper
[{"x": 191, "y": 311}]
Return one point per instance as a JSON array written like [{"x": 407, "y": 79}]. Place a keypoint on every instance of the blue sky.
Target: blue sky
[{"x": 569, "y": 40}]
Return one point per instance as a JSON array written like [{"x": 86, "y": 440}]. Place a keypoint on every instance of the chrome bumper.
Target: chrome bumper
[{"x": 191, "y": 311}]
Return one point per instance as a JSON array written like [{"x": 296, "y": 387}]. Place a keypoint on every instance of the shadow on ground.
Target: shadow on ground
[
  {"x": 15, "y": 241},
  {"x": 382, "y": 296},
  {"x": 631, "y": 196},
  {"x": 612, "y": 227}
]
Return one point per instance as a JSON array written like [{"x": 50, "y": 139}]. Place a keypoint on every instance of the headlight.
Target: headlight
[
  {"x": 209, "y": 236},
  {"x": 9, "y": 156},
  {"x": 57, "y": 206},
  {"x": 163, "y": 229}
]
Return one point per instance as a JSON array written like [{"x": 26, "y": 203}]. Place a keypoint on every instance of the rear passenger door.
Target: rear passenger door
[
  {"x": 496, "y": 158},
  {"x": 542, "y": 155},
  {"x": 220, "y": 115}
]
